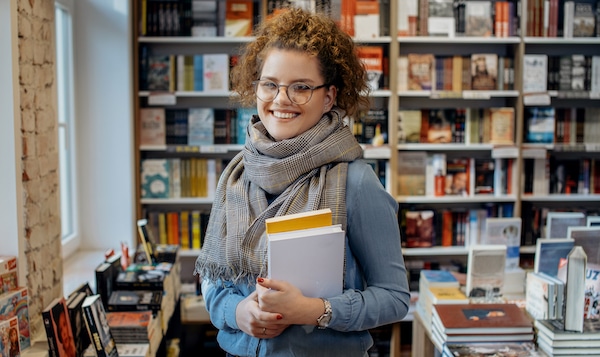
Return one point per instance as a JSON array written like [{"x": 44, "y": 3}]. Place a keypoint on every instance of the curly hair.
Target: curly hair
[{"x": 317, "y": 35}]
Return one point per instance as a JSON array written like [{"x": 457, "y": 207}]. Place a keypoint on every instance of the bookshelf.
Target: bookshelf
[{"x": 394, "y": 96}]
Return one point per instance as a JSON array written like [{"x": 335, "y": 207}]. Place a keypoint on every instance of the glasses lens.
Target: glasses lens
[
  {"x": 266, "y": 90},
  {"x": 299, "y": 93}
]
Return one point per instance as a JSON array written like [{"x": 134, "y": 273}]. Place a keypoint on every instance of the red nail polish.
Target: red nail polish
[
  {"x": 279, "y": 317},
  {"x": 260, "y": 280}
]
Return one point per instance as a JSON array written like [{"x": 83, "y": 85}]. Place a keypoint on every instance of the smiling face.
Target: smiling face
[{"x": 282, "y": 118}]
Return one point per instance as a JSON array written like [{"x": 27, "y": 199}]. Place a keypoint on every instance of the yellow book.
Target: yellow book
[
  {"x": 302, "y": 220},
  {"x": 184, "y": 229},
  {"x": 162, "y": 228},
  {"x": 447, "y": 295},
  {"x": 196, "y": 229}
]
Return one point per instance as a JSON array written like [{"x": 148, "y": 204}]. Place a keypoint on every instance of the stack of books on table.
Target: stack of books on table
[
  {"x": 485, "y": 349},
  {"x": 465, "y": 323},
  {"x": 553, "y": 339},
  {"x": 135, "y": 327},
  {"x": 437, "y": 287}
]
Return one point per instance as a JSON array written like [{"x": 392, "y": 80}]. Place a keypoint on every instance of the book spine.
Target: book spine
[
  {"x": 92, "y": 328},
  {"x": 50, "y": 335}
]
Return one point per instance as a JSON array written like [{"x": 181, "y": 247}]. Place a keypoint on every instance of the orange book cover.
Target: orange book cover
[
  {"x": 421, "y": 75},
  {"x": 372, "y": 57},
  {"x": 120, "y": 319},
  {"x": 173, "y": 228},
  {"x": 447, "y": 228},
  {"x": 348, "y": 12},
  {"x": 239, "y": 17}
]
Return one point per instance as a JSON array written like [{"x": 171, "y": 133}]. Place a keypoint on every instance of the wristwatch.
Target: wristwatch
[{"x": 323, "y": 320}]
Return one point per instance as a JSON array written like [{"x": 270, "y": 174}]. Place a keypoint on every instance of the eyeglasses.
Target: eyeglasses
[{"x": 299, "y": 93}]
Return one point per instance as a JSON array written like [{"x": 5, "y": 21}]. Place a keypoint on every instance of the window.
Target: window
[{"x": 66, "y": 125}]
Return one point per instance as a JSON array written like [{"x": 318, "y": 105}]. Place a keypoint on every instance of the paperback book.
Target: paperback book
[
  {"x": 506, "y": 231},
  {"x": 312, "y": 259},
  {"x": 485, "y": 271},
  {"x": 135, "y": 300},
  {"x": 549, "y": 252},
  {"x": 98, "y": 328},
  {"x": 490, "y": 319}
]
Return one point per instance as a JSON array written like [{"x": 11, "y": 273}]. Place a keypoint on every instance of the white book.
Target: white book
[
  {"x": 485, "y": 271},
  {"x": 557, "y": 223},
  {"x": 216, "y": 72},
  {"x": 535, "y": 72},
  {"x": 595, "y": 84},
  {"x": 593, "y": 221},
  {"x": 548, "y": 253},
  {"x": 538, "y": 299},
  {"x": 310, "y": 259},
  {"x": 505, "y": 231}
]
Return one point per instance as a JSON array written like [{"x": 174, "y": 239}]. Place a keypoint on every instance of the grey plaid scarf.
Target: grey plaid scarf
[{"x": 304, "y": 173}]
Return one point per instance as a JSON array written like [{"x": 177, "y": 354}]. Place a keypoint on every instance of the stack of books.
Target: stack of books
[
  {"x": 496, "y": 322},
  {"x": 135, "y": 327},
  {"x": 553, "y": 339},
  {"x": 482, "y": 349},
  {"x": 437, "y": 287}
]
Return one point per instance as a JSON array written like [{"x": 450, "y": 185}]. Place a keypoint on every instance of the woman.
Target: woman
[{"x": 304, "y": 77}]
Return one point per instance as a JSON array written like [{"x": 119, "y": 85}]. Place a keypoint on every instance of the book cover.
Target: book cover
[
  {"x": 374, "y": 125},
  {"x": 409, "y": 126},
  {"x": 135, "y": 300},
  {"x": 549, "y": 252},
  {"x": 367, "y": 19},
  {"x": 239, "y": 17},
  {"x": 419, "y": 231},
  {"x": 59, "y": 332},
  {"x": 535, "y": 73},
  {"x": 557, "y": 223},
  {"x": 152, "y": 127},
  {"x": 484, "y": 70},
  {"x": 539, "y": 124},
  {"x": 105, "y": 280},
  {"x": 154, "y": 177},
  {"x": 244, "y": 116},
  {"x": 440, "y": 125},
  {"x": 486, "y": 318},
  {"x": 421, "y": 71},
  {"x": 9, "y": 338},
  {"x": 587, "y": 238},
  {"x": 441, "y": 21},
  {"x": 584, "y": 19},
  {"x": 201, "y": 123},
  {"x": 411, "y": 173},
  {"x": 97, "y": 327},
  {"x": 458, "y": 177},
  {"x": 447, "y": 295},
  {"x": 15, "y": 303},
  {"x": 74, "y": 306},
  {"x": 478, "y": 18},
  {"x": 159, "y": 73},
  {"x": 146, "y": 240},
  {"x": 506, "y": 231},
  {"x": 408, "y": 14},
  {"x": 485, "y": 271},
  {"x": 372, "y": 57},
  {"x": 484, "y": 176},
  {"x": 502, "y": 121},
  {"x": 310, "y": 259},
  {"x": 298, "y": 221},
  {"x": 216, "y": 72},
  {"x": 137, "y": 320},
  {"x": 140, "y": 279},
  {"x": 437, "y": 278}
]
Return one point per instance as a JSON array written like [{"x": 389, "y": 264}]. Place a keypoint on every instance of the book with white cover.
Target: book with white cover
[
  {"x": 593, "y": 221},
  {"x": 310, "y": 259},
  {"x": 589, "y": 239},
  {"x": 506, "y": 231},
  {"x": 485, "y": 271},
  {"x": 558, "y": 222}
]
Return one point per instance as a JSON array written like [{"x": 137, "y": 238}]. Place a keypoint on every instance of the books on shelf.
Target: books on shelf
[
  {"x": 239, "y": 17},
  {"x": 419, "y": 230},
  {"x": 484, "y": 70},
  {"x": 200, "y": 126},
  {"x": 411, "y": 173},
  {"x": 310, "y": 259},
  {"x": 502, "y": 121},
  {"x": 152, "y": 127},
  {"x": 15, "y": 304},
  {"x": 59, "y": 332},
  {"x": 485, "y": 271},
  {"x": 478, "y": 18},
  {"x": 409, "y": 126},
  {"x": 441, "y": 21},
  {"x": 421, "y": 71},
  {"x": 97, "y": 327},
  {"x": 535, "y": 73},
  {"x": 372, "y": 58}
]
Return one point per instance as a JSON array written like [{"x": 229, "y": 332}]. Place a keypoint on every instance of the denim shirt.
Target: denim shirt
[{"x": 375, "y": 293}]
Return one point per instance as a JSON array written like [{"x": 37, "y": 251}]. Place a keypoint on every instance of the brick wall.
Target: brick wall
[{"x": 37, "y": 82}]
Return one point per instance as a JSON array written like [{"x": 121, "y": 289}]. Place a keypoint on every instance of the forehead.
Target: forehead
[{"x": 292, "y": 64}]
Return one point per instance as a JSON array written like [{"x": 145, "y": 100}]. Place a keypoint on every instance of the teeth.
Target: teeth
[{"x": 284, "y": 115}]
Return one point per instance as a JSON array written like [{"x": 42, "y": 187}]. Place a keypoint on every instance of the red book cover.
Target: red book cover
[{"x": 483, "y": 318}]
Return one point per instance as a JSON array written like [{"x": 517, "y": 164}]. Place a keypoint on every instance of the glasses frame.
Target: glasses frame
[{"x": 287, "y": 93}]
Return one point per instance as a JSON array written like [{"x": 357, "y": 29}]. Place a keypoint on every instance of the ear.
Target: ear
[{"x": 329, "y": 99}]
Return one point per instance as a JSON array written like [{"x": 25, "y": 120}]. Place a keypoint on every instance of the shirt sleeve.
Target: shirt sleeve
[
  {"x": 221, "y": 303},
  {"x": 374, "y": 241}
]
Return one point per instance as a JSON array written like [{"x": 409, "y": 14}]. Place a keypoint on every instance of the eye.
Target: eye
[
  {"x": 300, "y": 87},
  {"x": 268, "y": 85}
]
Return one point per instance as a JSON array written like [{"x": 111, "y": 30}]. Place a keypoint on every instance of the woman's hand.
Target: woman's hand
[
  {"x": 255, "y": 322},
  {"x": 287, "y": 300}
]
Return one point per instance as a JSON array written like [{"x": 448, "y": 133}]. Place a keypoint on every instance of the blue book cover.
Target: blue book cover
[
  {"x": 155, "y": 178},
  {"x": 439, "y": 278},
  {"x": 201, "y": 122},
  {"x": 243, "y": 118},
  {"x": 198, "y": 73}
]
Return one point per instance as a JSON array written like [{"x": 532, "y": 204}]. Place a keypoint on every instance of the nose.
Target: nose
[{"x": 281, "y": 97}]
